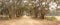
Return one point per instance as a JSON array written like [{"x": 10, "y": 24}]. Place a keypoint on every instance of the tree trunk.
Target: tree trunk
[{"x": 42, "y": 16}]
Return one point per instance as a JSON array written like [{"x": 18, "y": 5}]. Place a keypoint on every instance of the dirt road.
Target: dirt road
[{"x": 25, "y": 20}]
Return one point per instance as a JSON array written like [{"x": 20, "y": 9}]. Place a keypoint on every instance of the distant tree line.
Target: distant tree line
[{"x": 15, "y": 8}]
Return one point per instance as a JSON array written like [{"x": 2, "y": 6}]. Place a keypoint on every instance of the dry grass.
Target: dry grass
[
  {"x": 26, "y": 20},
  {"x": 53, "y": 17}
]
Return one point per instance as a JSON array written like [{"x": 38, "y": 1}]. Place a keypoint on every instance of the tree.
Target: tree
[
  {"x": 39, "y": 8},
  {"x": 44, "y": 9},
  {"x": 33, "y": 7},
  {"x": 15, "y": 7}
]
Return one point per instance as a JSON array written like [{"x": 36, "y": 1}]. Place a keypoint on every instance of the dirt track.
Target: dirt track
[{"x": 27, "y": 21}]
